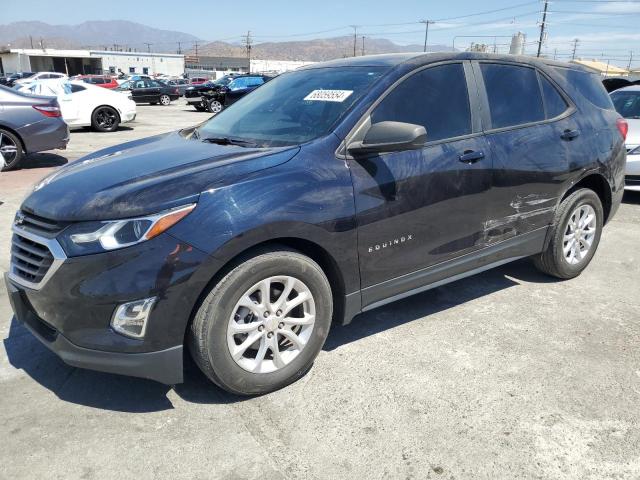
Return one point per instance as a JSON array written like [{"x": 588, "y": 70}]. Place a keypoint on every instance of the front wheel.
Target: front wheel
[
  {"x": 575, "y": 235},
  {"x": 10, "y": 151},
  {"x": 105, "y": 119},
  {"x": 165, "y": 100},
  {"x": 263, "y": 324},
  {"x": 215, "y": 106}
]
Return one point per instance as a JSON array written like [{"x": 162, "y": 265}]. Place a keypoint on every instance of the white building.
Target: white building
[
  {"x": 276, "y": 66},
  {"x": 75, "y": 62}
]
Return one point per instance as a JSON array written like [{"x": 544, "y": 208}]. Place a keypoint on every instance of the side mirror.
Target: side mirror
[{"x": 390, "y": 137}]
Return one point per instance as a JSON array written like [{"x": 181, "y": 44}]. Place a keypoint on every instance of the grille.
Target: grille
[
  {"x": 632, "y": 180},
  {"x": 39, "y": 225},
  {"x": 30, "y": 260}
]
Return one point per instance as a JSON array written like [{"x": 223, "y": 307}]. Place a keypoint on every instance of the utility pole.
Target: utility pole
[
  {"x": 179, "y": 48},
  {"x": 355, "y": 37},
  {"x": 630, "y": 60},
  {"x": 148, "y": 46},
  {"x": 543, "y": 25},
  {"x": 195, "y": 44},
  {"x": 363, "y": 45},
  {"x": 31, "y": 39},
  {"x": 247, "y": 46},
  {"x": 426, "y": 31},
  {"x": 555, "y": 53},
  {"x": 576, "y": 42}
]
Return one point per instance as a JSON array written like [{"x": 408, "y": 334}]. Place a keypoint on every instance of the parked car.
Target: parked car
[
  {"x": 215, "y": 96},
  {"x": 331, "y": 190},
  {"x": 84, "y": 105},
  {"x": 28, "y": 124},
  {"x": 150, "y": 91},
  {"x": 627, "y": 103},
  {"x": 180, "y": 83},
  {"x": 198, "y": 80},
  {"x": 104, "y": 81},
  {"x": 10, "y": 79},
  {"x": 40, "y": 76}
]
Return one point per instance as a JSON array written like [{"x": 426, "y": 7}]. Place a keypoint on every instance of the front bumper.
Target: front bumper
[
  {"x": 194, "y": 100},
  {"x": 632, "y": 173},
  {"x": 128, "y": 114},
  {"x": 71, "y": 311},
  {"x": 165, "y": 366}
]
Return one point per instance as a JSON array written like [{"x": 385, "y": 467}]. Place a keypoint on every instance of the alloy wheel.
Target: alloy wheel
[
  {"x": 165, "y": 100},
  {"x": 271, "y": 324},
  {"x": 215, "y": 106},
  {"x": 8, "y": 150},
  {"x": 106, "y": 118},
  {"x": 579, "y": 234}
]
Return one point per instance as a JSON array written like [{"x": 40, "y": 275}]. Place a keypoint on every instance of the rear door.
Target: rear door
[
  {"x": 421, "y": 207},
  {"x": 532, "y": 136}
]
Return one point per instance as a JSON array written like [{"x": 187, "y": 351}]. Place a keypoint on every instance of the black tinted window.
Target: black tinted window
[
  {"x": 627, "y": 103},
  {"x": 589, "y": 86},
  {"x": 514, "y": 95},
  {"x": 435, "y": 98},
  {"x": 553, "y": 101}
]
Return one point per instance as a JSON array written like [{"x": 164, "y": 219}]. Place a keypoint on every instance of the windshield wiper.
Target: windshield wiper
[{"x": 230, "y": 141}]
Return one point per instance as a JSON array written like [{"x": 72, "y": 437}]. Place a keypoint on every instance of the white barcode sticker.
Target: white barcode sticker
[{"x": 329, "y": 95}]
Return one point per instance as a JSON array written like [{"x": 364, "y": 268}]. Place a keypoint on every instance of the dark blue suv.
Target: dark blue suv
[{"x": 324, "y": 193}]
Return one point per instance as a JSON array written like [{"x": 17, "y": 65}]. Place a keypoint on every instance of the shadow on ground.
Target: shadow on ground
[
  {"x": 127, "y": 394},
  {"x": 632, "y": 198},
  {"x": 43, "y": 160}
]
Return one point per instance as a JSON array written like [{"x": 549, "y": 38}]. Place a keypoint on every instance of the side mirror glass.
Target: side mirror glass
[{"x": 390, "y": 137}]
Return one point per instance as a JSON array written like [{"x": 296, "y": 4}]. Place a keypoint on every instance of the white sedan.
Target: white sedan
[
  {"x": 627, "y": 103},
  {"x": 84, "y": 105}
]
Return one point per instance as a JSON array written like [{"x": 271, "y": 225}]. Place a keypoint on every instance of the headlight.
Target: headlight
[{"x": 95, "y": 237}]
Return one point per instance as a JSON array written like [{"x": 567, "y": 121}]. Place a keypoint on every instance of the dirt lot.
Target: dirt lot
[{"x": 508, "y": 374}]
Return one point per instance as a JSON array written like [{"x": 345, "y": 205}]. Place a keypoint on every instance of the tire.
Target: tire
[
  {"x": 165, "y": 100},
  {"x": 211, "y": 336},
  {"x": 215, "y": 106},
  {"x": 11, "y": 153},
  {"x": 105, "y": 119},
  {"x": 559, "y": 259}
]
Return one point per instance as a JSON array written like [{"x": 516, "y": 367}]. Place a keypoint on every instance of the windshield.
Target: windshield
[
  {"x": 627, "y": 103},
  {"x": 293, "y": 108},
  {"x": 222, "y": 81}
]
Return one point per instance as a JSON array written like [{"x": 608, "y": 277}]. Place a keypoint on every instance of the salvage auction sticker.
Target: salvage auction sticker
[{"x": 329, "y": 95}]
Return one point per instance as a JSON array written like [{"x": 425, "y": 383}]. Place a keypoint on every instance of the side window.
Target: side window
[
  {"x": 254, "y": 81},
  {"x": 554, "y": 103},
  {"x": 435, "y": 98},
  {"x": 513, "y": 93},
  {"x": 589, "y": 86},
  {"x": 238, "y": 83},
  {"x": 75, "y": 88}
]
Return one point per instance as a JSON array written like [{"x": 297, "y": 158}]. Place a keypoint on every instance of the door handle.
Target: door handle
[
  {"x": 570, "y": 134},
  {"x": 471, "y": 156}
]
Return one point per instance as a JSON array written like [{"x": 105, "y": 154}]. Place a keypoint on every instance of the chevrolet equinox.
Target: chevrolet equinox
[{"x": 326, "y": 192}]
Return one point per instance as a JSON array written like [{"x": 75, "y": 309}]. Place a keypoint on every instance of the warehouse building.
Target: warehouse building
[{"x": 76, "y": 62}]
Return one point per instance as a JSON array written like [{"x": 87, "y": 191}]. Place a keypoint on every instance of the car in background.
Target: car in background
[
  {"x": 180, "y": 83},
  {"x": 40, "y": 76},
  {"x": 219, "y": 94},
  {"x": 198, "y": 80},
  {"x": 10, "y": 79},
  {"x": 150, "y": 91},
  {"x": 28, "y": 124},
  {"x": 104, "y": 81},
  {"x": 85, "y": 105},
  {"x": 627, "y": 103}
]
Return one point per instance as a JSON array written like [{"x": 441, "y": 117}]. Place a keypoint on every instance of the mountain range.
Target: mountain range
[{"x": 124, "y": 35}]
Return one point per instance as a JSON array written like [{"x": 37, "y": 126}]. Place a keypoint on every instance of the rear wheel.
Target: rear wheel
[
  {"x": 10, "y": 151},
  {"x": 262, "y": 325},
  {"x": 105, "y": 119},
  {"x": 165, "y": 100},
  {"x": 574, "y": 237}
]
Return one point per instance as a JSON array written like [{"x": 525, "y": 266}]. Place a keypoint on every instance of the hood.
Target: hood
[
  {"x": 633, "y": 136},
  {"x": 144, "y": 177}
]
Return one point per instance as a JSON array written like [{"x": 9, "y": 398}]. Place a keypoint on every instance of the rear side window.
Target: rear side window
[
  {"x": 589, "y": 86},
  {"x": 513, "y": 93},
  {"x": 627, "y": 103},
  {"x": 554, "y": 103},
  {"x": 436, "y": 98}
]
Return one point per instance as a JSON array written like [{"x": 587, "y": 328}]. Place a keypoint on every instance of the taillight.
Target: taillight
[
  {"x": 48, "y": 110},
  {"x": 623, "y": 127}
]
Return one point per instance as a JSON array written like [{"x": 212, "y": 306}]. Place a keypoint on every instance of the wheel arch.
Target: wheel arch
[
  {"x": 307, "y": 247},
  {"x": 106, "y": 105},
  {"x": 18, "y": 136},
  {"x": 598, "y": 183}
]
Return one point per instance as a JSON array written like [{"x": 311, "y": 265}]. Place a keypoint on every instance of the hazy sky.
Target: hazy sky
[{"x": 604, "y": 27}]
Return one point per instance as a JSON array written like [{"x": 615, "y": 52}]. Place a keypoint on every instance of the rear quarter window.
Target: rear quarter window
[{"x": 589, "y": 86}]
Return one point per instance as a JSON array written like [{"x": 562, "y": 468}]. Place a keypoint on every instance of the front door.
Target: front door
[{"x": 422, "y": 207}]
